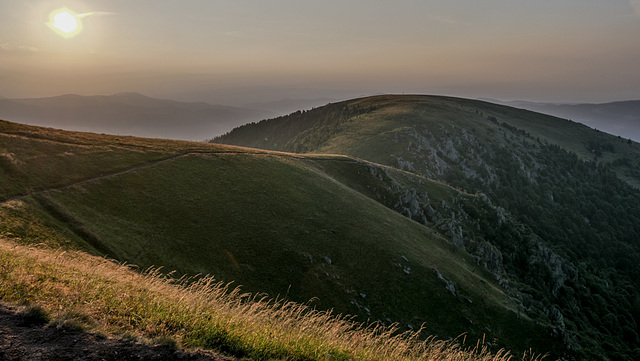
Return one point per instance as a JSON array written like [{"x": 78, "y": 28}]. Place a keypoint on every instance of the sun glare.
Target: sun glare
[{"x": 65, "y": 23}]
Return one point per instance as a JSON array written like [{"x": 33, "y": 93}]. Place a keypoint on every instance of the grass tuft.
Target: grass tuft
[
  {"x": 33, "y": 315},
  {"x": 72, "y": 320}
]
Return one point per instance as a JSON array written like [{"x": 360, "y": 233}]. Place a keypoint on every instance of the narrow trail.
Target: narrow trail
[
  {"x": 93, "y": 179},
  {"x": 177, "y": 156},
  {"x": 125, "y": 171}
]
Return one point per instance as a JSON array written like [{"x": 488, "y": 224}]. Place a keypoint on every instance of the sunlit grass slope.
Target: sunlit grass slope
[
  {"x": 78, "y": 291},
  {"x": 297, "y": 227}
]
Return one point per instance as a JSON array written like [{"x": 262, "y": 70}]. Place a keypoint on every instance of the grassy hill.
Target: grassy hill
[
  {"x": 326, "y": 230},
  {"x": 573, "y": 191}
]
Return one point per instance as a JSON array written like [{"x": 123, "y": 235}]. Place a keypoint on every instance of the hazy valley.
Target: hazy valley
[{"x": 129, "y": 114}]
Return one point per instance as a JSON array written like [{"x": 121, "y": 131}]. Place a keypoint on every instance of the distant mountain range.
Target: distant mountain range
[
  {"x": 129, "y": 114},
  {"x": 618, "y": 118}
]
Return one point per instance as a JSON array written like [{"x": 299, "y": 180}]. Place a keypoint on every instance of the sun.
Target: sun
[{"x": 65, "y": 23}]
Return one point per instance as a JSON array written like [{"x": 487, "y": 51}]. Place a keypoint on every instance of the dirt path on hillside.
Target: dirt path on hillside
[
  {"x": 102, "y": 176},
  {"x": 125, "y": 171},
  {"x": 24, "y": 341},
  {"x": 132, "y": 169}
]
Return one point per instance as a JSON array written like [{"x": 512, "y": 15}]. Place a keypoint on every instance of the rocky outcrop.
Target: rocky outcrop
[
  {"x": 490, "y": 257},
  {"x": 416, "y": 206},
  {"x": 454, "y": 231},
  {"x": 449, "y": 285},
  {"x": 559, "y": 269}
]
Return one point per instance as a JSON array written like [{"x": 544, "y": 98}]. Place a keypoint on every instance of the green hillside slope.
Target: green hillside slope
[
  {"x": 574, "y": 189},
  {"x": 321, "y": 229}
]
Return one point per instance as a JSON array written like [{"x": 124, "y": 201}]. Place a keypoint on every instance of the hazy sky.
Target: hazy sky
[{"x": 240, "y": 51}]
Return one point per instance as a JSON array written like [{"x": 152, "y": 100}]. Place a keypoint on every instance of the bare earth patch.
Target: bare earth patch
[{"x": 23, "y": 340}]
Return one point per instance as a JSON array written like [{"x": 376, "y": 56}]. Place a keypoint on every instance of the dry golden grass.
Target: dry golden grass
[{"x": 99, "y": 295}]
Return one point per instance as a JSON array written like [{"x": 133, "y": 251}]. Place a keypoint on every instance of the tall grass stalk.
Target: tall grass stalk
[{"x": 200, "y": 312}]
